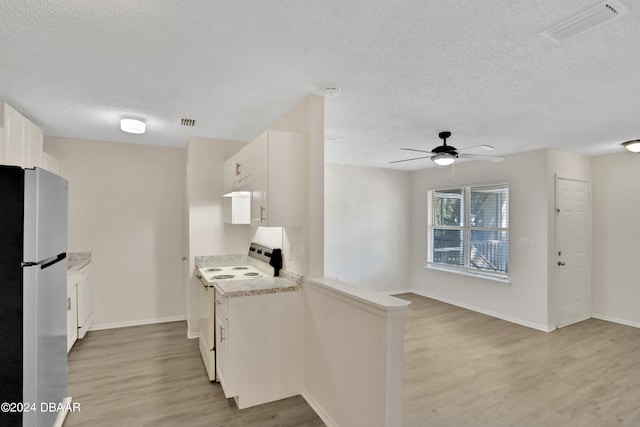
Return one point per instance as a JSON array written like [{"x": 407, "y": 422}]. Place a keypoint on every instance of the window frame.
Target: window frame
[{"x": 466, "y": 229}]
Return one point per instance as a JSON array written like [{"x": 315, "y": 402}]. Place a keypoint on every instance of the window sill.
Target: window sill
[{"x": 479, "y": 275}]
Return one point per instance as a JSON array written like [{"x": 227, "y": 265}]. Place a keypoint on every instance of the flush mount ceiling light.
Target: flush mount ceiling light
[
  {"x": 586, "y": 20},
  {"x": 131, "y": 125},
  {"x": 633, "y": 146}
]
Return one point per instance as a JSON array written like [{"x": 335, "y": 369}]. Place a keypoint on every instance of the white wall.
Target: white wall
[
  {"x": 126, "y": 208},
  {"x": 207, "y": 233},
  {"x": 367, "y": 226},
  {"x": 525, "y": 301},
  {"x": 307, "y": 256},
  {"x": 616, "y": 237}
]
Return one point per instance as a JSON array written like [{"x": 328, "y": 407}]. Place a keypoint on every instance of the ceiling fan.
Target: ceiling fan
[{"x": 445, "y": 155}]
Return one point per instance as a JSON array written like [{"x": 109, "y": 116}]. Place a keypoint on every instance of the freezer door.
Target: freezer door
[{"x": 45, "y": 215}]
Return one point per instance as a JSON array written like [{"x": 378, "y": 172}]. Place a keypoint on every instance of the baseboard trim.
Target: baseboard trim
[
  {"x": 543, "y": 328},
  {"x": 616, "y": 320},
  {"x": 193, "y": 335},
  {"x": 117, "y": 325},
  {"x": 324, "y": 415}
]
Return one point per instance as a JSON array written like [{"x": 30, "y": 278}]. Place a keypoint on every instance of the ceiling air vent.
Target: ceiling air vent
[
  {"x": 188, "y": 122},
  {"x": 585, "y": 20}
]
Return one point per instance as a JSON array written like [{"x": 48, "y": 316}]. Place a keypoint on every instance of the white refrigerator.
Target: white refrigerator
[{"x": 33, "y": 246}]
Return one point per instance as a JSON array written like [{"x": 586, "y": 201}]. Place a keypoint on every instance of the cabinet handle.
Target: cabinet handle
[
  {"x": 221, "y": 333},
  {"x": 68, "y": 303},
  {"x": 238, "y": 166},
  {"x": 262, "y": 209}
]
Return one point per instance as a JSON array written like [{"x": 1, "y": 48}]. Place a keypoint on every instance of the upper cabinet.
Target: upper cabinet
[
  {"x": 236, "y": 172},
  {"x": 22, "y": 141},
  {"x": 273, "y": 167},
  {"x": 280, "y": 184}
]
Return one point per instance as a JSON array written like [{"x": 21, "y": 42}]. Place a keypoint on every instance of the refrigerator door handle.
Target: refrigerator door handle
[{"x": 47, "y": 262}]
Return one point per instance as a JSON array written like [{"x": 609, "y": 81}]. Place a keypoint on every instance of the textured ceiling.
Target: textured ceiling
[{"x": 407, "y": 69}]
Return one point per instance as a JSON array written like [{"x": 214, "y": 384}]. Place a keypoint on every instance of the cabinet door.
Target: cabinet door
[
  {"x": 258, "y": 149},
  {"x": 13, "y": 137},
  {"x": 229, "y": 174},
  {"x": 287, "y": 169},
  {"x": 85, "y": 299},
  {"x": 72, "y": 318},
  {"x": 33, "y": 144},
  {"x": 222, "y": 365}
]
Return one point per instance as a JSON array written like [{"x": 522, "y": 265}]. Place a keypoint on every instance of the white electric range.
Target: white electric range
[{"x": 261, "y": 262}]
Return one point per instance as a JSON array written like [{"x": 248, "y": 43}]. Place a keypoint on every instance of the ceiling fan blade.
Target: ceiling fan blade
[
  {"x": 414, "y": 149},
  {"x": 408, "y": 160},
  {"x": 482, "y": 147},
  {"x": 481, "y": 157}
]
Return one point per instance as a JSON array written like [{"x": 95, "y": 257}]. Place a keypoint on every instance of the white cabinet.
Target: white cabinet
[
  {"x": 85, "y": 300},
  {"x": 274, "y": 168},
  {"x": 72, "y": 317},
  {"x": 259, "y": 346},
  {"x": 237, "y": 172},
  {"x": 79, "y": 304},
  {"x": 21, "y": 142},
  {"x": 221, "y": 345}
]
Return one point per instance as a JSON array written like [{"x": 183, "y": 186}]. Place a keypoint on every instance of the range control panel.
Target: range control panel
[{"x": 259, "y": 252}]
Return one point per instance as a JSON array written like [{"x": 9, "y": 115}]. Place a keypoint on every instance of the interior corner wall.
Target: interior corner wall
[
  {"x": 615, "y": 237},
  {"x": 207, "y": 232},
  {"x": 524, "y": 301},
  {"x": 307, "y": 118},
  {"x": 126, "y": 208},
  {"x": 367, "y": 226}
]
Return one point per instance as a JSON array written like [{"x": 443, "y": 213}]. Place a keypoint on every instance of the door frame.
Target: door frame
[{"x": 554, "y": 257}]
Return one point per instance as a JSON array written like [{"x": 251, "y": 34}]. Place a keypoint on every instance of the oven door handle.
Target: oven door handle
[{"x": 202, "y": 282}]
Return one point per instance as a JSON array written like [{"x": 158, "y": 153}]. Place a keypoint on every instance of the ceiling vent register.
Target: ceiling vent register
[
  {"x": 188, "y": 122},
  {"x": 584, "y": 21}
]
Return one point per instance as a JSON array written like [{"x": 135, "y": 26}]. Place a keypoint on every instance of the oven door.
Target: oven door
[{"x": 206, "y": 319}]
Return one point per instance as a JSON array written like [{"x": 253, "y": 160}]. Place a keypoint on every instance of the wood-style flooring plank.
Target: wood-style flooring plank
[
  {"x": 466, "y": 369},
  {"x": 153, "y": 375}
]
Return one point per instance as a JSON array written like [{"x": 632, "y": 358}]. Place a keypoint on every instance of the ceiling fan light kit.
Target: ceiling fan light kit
[
  {"x": 445, "y": 155},
  {"x": 633, "y": 146},
  {"x": 443, "y": 159}
]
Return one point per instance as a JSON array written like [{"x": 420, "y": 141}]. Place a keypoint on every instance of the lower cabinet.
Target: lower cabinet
[
  {"x": 72, "y": 317},
  {"x": 259, "y": 346},
  {"x": 79, "y": 304}
]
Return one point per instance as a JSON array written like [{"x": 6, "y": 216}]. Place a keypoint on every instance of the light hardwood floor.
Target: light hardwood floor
[
  {"x": 466, "y": 369},
  {"x": 153, "y": 375},
  {"x": 461, "y": 369}
]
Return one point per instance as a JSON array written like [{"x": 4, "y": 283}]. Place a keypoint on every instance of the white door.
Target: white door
[{"x": 573, "y": 259}]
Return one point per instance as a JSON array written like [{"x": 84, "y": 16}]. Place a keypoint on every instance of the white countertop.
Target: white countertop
[
  {"x": 77, "y": 260},
  {"x": 286, "y": 282}
]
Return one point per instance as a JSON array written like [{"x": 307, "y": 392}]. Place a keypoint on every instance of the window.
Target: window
[{"x": 469, "y": 230}]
